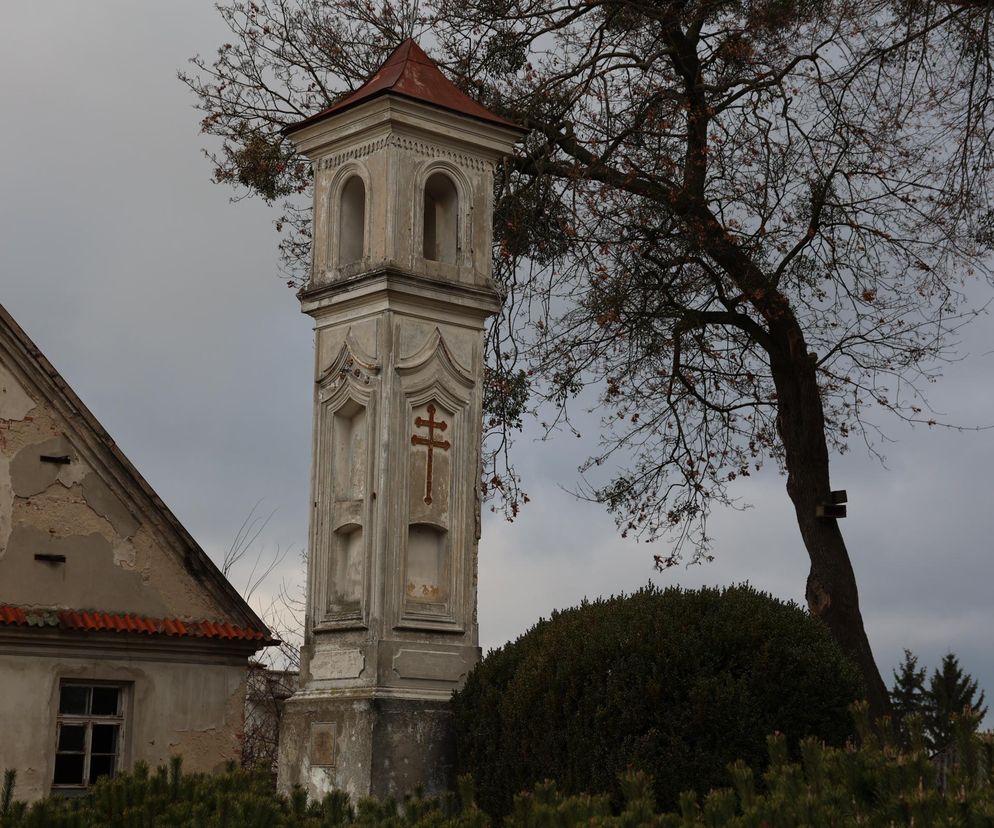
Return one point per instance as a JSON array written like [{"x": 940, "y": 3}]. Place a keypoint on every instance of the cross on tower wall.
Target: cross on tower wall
[{"x": 430, "y": 443}]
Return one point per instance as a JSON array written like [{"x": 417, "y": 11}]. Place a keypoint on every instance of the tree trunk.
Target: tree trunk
[{"x": 831, "y": 589}]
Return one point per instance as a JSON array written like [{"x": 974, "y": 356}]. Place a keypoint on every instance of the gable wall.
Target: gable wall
[{"x": 117, "y": 559}]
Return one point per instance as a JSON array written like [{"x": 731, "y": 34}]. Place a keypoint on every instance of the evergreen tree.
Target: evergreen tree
[
  {"x": 950, "y": 692},
  {"x": 908, "y": 696}
]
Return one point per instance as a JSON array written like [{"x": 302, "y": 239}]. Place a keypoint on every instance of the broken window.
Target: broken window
[{"x": 89, "y": 733}]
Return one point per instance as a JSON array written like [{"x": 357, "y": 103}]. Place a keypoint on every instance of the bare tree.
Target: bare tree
[
  {"x": 748, "y": 226},
  {"x": 264, "y": 563},
  {"x": 273, "y": 676}
]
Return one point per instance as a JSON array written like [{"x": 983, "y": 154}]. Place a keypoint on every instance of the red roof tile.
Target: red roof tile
[
  {"x": 410, "y": 73},
  {"x": 94, "y": 621}
]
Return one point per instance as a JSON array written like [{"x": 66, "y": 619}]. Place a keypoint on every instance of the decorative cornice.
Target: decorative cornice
[
  {"x": 398, "y": 282},
  {"x": 436, "y": 151},
  {"x": 352, "y": 153},
  {"x": 423, "y": 148}
]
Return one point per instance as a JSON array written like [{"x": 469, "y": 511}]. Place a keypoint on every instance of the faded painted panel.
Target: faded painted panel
[
  {"x": 426, "y": 577},
  {"x": 322, "y": 752},
  {"x": 349, "y": 442}
]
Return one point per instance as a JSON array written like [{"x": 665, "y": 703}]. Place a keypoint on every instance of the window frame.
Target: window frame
[{"x": 88, "y": 720}]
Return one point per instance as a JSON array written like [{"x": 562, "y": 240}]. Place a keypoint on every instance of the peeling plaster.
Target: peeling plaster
[
  {"x": 29, "y": 475},
  {"x": 6, "y": 504},
  {"x": 201, "y": 742},
  {"x": 62, "y": 512},
  {"x": 106, "y": 504},
  {"x": 89, "y": 578},
  {"x": 73, "y": 473},
  {"x": 126, "y": 556},
  {"x": 15, "y": 402}
]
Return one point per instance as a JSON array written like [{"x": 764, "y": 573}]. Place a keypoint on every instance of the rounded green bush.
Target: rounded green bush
[{"x": 676, "y": 683}]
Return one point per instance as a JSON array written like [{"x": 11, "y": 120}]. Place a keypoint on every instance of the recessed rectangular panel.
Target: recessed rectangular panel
[{"x": 322, "y": 752}]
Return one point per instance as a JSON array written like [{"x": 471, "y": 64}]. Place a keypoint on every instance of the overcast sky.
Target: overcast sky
[{"x": 160, "y": 303}]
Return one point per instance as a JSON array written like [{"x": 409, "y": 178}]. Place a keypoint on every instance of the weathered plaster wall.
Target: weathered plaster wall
[
  {"x": 378, "y": 747},
  {"x": 116, "y": 559},
  {"x": 190, "y": 709}
]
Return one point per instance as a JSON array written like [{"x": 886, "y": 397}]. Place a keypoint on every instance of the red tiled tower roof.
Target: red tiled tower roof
[{"x": 410, "y": 73}]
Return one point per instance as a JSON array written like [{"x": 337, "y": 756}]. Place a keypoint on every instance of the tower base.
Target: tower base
[{"x": 366, "y": 745}]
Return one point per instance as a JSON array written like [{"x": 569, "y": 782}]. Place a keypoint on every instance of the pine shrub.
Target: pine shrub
[
  {"x": 675, "y": 683},
  {"x": 875, "y": 784}
]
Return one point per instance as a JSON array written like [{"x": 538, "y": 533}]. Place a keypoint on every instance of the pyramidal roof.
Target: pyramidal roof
[{"x": 410, "y": 73}]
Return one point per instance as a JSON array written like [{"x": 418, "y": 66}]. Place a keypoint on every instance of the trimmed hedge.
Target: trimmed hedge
[{"x": 676, "y": 683}]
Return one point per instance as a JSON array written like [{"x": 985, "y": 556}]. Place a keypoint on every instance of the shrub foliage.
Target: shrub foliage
[{"x": 676, "y": 683}]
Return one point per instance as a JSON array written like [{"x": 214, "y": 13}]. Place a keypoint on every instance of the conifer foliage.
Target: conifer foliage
[
  {"x": 950, "y": 693},
  {"x": 876, "y": 784},
  {"x": 907, "y": 697}
]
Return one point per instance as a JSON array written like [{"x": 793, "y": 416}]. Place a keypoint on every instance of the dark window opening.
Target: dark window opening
[{"x": 89, "y": 736}]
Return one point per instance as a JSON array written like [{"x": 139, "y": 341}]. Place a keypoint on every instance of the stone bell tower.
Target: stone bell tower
[{"x": 400, "y": 291}]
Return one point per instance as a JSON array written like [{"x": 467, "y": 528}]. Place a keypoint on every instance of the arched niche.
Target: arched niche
[
  {"x": 344, "y": 454},
  {"x": 346, "y": 434},
  {"x": 352, "y": 221},
  {"x": 441, "y": 219},
  {"x": 427, "y": 570}
]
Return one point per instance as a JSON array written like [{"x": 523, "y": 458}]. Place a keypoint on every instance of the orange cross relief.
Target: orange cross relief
[{"x": 431, "y": 424}]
